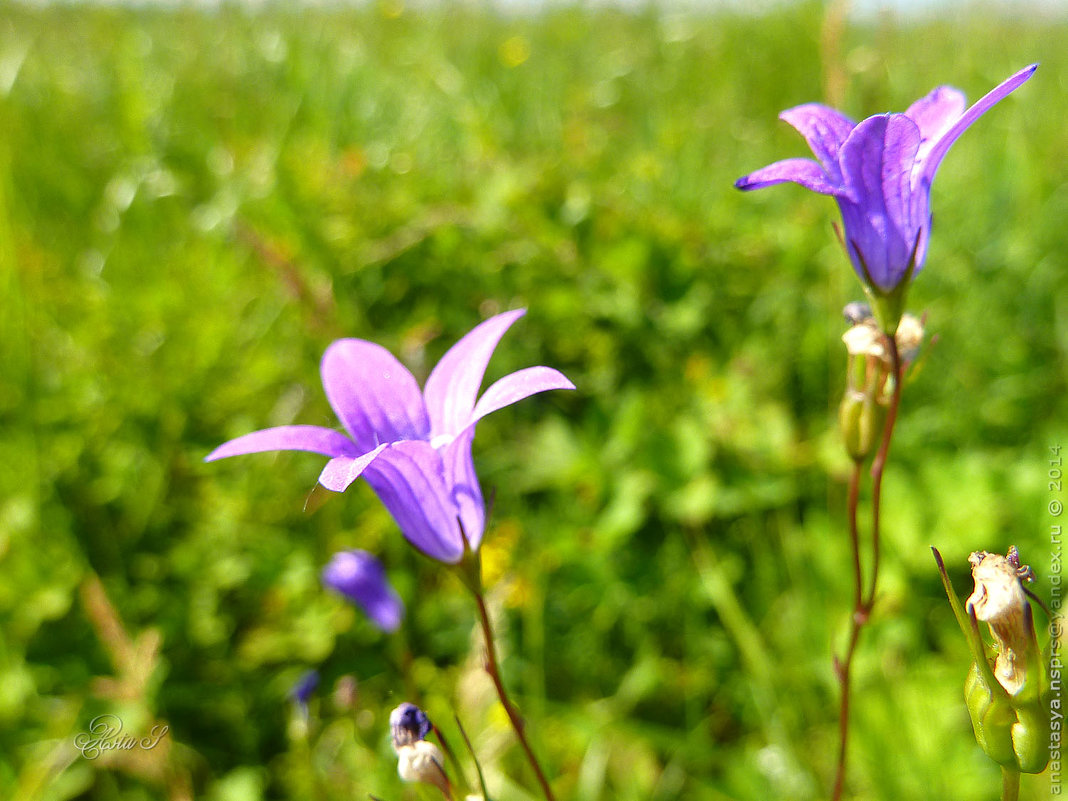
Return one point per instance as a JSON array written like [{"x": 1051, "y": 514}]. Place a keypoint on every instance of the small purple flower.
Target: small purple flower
[
  {"x": 302, "y": 691},
  {"x": 880, "y": 172},
  {"x": 413, "y": 448},
  {"x": 360, "y": 577},
  {"x": 407, "y": 724}
]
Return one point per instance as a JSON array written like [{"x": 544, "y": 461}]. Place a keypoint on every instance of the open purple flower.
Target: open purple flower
[
  {"x": 880, "y": 172},
  {"x": 412, "y": 447},
  {"x": 360, "y": 577}
]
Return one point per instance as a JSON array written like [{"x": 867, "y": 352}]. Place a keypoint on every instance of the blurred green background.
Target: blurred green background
[{"x": 193, "y": 204}]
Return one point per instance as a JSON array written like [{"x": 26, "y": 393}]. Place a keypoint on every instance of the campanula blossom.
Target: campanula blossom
[
  {"x": 361, "y": 578},
  {"x": 412, "y": 447},
  {"x": 880, "y": 172}
]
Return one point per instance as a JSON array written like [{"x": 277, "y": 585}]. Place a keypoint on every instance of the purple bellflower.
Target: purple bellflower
[
  {"x": 412, "y": 447},
  {"x": 360, "y": 577},
  {"x": 880, "y": 172}
]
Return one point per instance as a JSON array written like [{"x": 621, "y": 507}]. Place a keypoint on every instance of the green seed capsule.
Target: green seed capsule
[{"x": 861, "y": 419}]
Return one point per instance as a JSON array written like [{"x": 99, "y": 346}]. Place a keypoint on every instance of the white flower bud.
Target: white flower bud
[{"x": 422, "y": 761}]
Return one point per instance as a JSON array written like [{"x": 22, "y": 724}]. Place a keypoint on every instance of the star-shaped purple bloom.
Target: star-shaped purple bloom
[
  {"x": 880, "y": 172},
  {"x": 412, "y": 447}
]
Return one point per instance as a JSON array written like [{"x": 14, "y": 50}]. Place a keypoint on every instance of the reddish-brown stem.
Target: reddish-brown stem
[
  {"x": 863, "y": 602},
  {"x": 494, "y": 672},
  {"x": 842, "y": 667}
]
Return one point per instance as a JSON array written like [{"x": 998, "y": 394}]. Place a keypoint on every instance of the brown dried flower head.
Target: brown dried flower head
[{"x": 999, "y": 600}]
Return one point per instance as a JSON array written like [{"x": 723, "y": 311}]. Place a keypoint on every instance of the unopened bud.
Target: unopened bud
[
  {"x": 423, "y": 762},
  {"x": 408, "y": 724},
  {"x": 861, "y": 419},
  {"x": 909, "y": 338},
  {"x": 857, "y": 312},
  {"x": 865, "y": 339}
]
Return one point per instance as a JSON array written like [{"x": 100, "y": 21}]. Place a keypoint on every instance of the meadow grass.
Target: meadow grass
[{"x": 194, "y": 204}]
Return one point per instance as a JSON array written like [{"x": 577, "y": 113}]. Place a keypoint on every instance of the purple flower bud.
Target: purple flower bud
[
  {"x": 408, "y": 724},
  {"x": 360, "y": 577},
  {"x": 303, "y": 689},
  {"x": 856, "y": 312}
]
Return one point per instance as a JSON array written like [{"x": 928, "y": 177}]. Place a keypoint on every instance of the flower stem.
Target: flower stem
[
  {"x": 493, "y": 669},
  {"x": 843, "y": 666},
  {"x": 863, "y": 602},
  {"x": 1010, "y": 784},
  {"x": 879, "y": 464}
]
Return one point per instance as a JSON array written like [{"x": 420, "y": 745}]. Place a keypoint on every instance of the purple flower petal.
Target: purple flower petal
[
  {"x": 360, "y": 577},
  {"x": 516, "y": 386},
  {"x": 877, "y": 161},
  {"x": 409, "y": 478},
  {"x": 313, "y": 439},
  {"x": 466, "y": 492},
  {"x": 934, "y": 114},
  {"x": 454, "y": 382},
  {"x": 799, "y": 171},
  {"x": 825, "y": 129},
  {"x": 341, "y": 471},
  {"x": 373, "y": 394},
  {"x": 938, "y": 151}
]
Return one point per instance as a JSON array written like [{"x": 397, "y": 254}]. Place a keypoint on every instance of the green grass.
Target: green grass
[{"x": 193, "y": 205}]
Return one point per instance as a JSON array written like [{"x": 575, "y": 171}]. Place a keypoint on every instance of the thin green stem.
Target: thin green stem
[
  {"x": 450, "y": 755},
  {"x": 493, "y": 669},
  {"x": 843, "y": 666},
  {"x": 1010, "y": 784},
  {"x": 864, "y": 601},
  {"x": 474, "y": 758}
]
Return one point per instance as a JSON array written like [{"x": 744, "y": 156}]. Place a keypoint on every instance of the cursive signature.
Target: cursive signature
[{"x": 105, "y": 734}]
